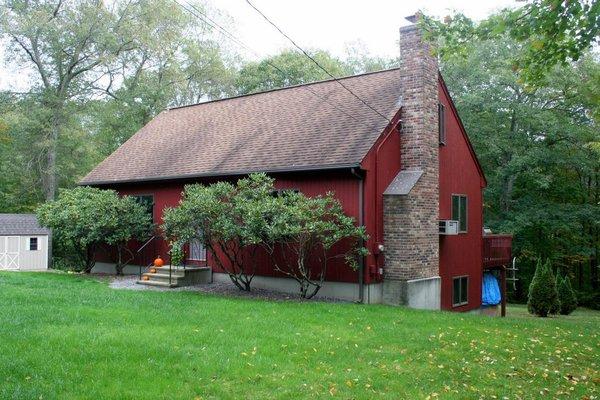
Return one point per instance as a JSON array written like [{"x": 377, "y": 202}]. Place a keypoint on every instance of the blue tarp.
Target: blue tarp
[{"x": 490, "y": 290}]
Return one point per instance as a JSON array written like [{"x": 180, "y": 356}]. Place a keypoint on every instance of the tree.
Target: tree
[
  {"x": 302, "y": 237},
  {"x": 550, "y": 33},
  {"x": 543, "y": 294},
  {"x": 230, "y": 220},
  {"x": 539, "y": 149},
  {"x": 84, "y": 218},
  {"x": 566, "y": 296},
  {"x": 293, "y": 68},
  {"x": 120, "y": 62},
  {"x": 175, "y": 61},
  {"x": 65, "y": 44}
]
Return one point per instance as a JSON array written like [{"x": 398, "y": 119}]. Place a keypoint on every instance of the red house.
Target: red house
[{"x": 401, "y": 165}]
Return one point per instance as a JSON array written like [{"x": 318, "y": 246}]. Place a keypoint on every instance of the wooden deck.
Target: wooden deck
[{"x": 497, "y": 251}]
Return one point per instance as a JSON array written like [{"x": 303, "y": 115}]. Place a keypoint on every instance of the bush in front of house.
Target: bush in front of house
[
  {"x": 231, "y": 220},
  {"x": 566, "y": 296},
  {"x": 303, "y": 233},
  {"x": 85, "y": 218},
  {"x": 236, "y": 221},
  {"x": 543, "y": 293}
]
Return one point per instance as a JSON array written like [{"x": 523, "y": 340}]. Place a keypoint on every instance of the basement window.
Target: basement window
[
  {"x": 33, "y": 244},
  {"x": 442, "y": 123},
  {"x": 460, "y": 291},
  {"x": 459, "y": 211}
]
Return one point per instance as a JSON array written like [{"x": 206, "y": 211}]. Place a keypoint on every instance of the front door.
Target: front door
[{"x": 9, "y": 252}]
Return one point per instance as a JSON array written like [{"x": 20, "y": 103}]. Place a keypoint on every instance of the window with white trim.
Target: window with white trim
[
  {"x": 459, "y": 211},
  {"x": 460, "y": 291},
  {"x": 33, "y": 244}
]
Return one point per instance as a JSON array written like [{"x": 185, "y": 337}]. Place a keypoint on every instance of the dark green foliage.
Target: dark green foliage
[
  {"x": 85, "y": 218},
  {"x": 540, "y": 150},
  {"x": 549, "y": 33},
  {"x": 566, "y": 296},
  {"x": 543, "y": 294},
  {"x": 589, "y": 299},
  {"x": 236, "y": 220}
]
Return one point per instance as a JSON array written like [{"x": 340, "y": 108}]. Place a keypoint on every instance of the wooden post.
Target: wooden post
[{"x": 503, "y": 290}]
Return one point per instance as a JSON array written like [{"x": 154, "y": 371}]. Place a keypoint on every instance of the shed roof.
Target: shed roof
[
  {"x": 21, "y": 224},
  {"x": 312, "y": 126}
]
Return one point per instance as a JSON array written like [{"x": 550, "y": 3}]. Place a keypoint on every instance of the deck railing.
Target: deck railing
[{"x": 497, "y": 250}]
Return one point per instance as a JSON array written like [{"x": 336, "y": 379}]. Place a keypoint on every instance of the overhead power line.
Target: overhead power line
[
  {"x": 213, "y": 24},
  {"x": 315, "y": 61},
  {"x": 196, "y": 12}
]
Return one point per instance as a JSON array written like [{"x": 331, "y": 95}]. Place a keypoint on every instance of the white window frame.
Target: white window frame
[
  {"x": 460, "y": 303},
  {"x": 459, "y": 195},
  {"x": 37, "y": 243}
]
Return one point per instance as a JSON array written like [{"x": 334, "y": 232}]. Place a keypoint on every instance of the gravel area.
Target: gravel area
[{"x": 218, "y": 288}]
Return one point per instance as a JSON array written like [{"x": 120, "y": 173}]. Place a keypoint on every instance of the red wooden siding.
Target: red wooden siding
[
  {"x": 342, "y": 183},
  {"x": 381, "y": 165},
  {"x": 461, "y": 254}
]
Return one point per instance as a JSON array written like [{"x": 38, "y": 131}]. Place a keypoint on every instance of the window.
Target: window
[
  {"x": 442, "y": 123},
  {"x": 148, "y": 202},
  {"x": 197, "y": 250},
  {"x": 460, "y": 291},
  {"x": 459, "y": 211},
  {"x": 33, "y": 244}
]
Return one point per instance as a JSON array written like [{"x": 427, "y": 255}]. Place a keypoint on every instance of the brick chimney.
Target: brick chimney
[{"x": 411, "y": 238}]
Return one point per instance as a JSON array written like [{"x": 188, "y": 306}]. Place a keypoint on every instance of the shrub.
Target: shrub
[
  {"x": 230, "y": 220},
  {"x": 589, "y": 299},
  {"x": 85, "y": 218},
  {"x": 304, "y": 232},
  {"x": 566, "y": 296},
  {"x": 543, "y": 294}
]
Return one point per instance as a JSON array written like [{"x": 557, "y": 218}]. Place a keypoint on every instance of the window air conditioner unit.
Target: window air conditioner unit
[{"x": 448, "y": 227}]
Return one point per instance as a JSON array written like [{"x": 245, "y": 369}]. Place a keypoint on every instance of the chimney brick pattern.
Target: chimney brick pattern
[{"x": 411, "y": 235}]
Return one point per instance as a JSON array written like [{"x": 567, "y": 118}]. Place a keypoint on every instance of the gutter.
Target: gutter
[
  {"x": 222, "y": 174},
  {"x": 361, "y": 213}
]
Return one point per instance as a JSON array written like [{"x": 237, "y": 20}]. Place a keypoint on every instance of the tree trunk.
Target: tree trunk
[{"x": 49, "y": 179}]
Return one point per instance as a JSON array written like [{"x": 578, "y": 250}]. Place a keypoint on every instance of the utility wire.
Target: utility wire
[
  {"x": 315, "y": 61},
  {"x": 213, "y": 24}
]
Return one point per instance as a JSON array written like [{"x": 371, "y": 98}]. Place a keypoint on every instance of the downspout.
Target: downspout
[
  {"x": 361, "y": 222},
  {"x": 376, "y": 175}
]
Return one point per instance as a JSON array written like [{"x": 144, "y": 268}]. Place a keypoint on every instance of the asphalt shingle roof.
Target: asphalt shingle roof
[
  {"x": 21, "y": 224},
  {"x": 283, "y": 129}
]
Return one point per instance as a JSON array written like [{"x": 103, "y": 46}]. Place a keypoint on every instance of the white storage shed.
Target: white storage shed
[{"x": 24, "y": 244}]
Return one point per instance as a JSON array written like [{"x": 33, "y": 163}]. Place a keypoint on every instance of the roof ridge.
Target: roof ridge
[{"x": 284, "y": 88}]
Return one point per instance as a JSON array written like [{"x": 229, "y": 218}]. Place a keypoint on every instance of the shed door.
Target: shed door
[{"x": 9, "y": 252}]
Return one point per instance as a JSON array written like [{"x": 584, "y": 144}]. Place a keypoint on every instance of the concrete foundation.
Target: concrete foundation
[
  {"x": 338, "y": 290},
  {"x": 373, "y": 293},
  {"x": 424, "y": 293}
]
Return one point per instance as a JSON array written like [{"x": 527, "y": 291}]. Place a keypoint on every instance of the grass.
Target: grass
[{"x": 70, "y": 337}]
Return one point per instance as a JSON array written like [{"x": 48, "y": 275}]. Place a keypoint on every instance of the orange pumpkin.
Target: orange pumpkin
[
  {"x": 158, "y": 262},
  {"x": 145, "y": 278},
  {"x": 152, "y": 270}
]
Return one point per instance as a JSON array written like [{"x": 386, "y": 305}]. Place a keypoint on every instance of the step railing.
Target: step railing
[{"x": 142, "y": 247}]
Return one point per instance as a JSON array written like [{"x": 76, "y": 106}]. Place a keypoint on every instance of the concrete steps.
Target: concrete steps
[{"x": 179, "y": 276}]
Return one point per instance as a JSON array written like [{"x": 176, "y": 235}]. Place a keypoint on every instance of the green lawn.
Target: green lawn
[{"x": 67, "y": 337}]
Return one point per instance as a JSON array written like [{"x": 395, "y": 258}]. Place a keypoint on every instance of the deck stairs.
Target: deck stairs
[{"x": 176, "y": 277}]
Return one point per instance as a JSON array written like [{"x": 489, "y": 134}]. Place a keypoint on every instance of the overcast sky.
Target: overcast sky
[
  {"x": 323, "y": 24},
  {"x": 331, "y": 24}
]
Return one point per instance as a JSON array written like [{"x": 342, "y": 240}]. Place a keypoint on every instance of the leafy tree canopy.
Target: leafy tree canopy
[
  {"x": 84, "y": 218},
  {"x": 549, "y": 32}
]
